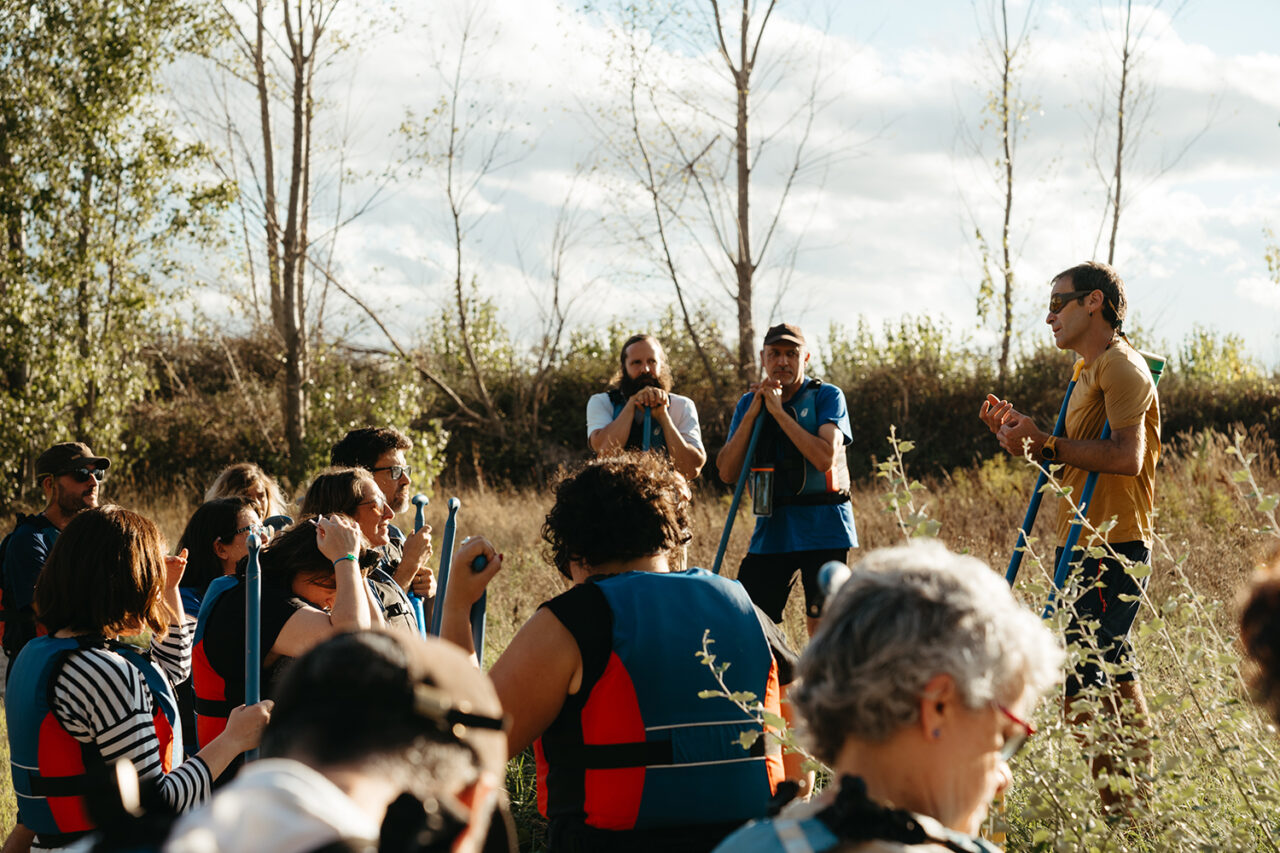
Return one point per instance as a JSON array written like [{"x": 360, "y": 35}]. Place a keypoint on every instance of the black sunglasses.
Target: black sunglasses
[
  {"x": 82, "y": 475},
  {"x": 397, "y": 471},
  {"x": 1057, "y": 301}
]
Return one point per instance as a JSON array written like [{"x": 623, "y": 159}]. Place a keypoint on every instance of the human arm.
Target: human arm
[
  {"x": 1120, "y": 453},
  {"x": 100, "y": 698},
  {"x": 353, "y": 608},
  {"x": 534, "y": 675},
  {"x": 24, "y": 558},
  {"x": 464, "y": 589},
  {"x": 730, "y": 459},
  {"x": 606, "y": 433},
  {"x": 819, "y": 449},
  {"x": 680, "y": 430}
]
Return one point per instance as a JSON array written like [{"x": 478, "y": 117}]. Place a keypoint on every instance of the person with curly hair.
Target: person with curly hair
[{"x": 607, "y": 677}]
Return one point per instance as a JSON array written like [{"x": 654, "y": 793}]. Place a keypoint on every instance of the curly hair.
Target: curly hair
[
  {"x": 906, "y": 615},
  {"x": 616, "y": 508}
]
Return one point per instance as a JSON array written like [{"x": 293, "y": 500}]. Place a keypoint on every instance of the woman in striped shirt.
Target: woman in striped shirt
[{"x": 79, "y": 700}]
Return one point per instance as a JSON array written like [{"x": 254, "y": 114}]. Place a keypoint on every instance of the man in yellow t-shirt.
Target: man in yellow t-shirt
[{"x": 1087, "y": 308}]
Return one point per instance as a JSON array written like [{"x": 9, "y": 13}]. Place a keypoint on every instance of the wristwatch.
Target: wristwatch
[{"x": 1049, "y": 450}]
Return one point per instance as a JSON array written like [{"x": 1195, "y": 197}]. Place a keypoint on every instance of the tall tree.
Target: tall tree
[
  {"x": 697, "y": 154},
  {"x": 1004, "y": 115},
  {"x": 1125, "y": 107},
  {"x": 279, "y": 51},
  {"x": 95, "y": 192}
]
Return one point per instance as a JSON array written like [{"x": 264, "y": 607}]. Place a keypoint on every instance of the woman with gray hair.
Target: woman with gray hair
[{"x": 915, "y": 691}]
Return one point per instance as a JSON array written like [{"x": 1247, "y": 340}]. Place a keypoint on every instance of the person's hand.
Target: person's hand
[
  {"x": 650, "y": 397},
  {"x": 413, "y": 558},
  {"x": 757, "y": 401},
  {"x": 466, "y": 585},
  {"x": 995, "y": 411},
  {"x": 424, "y": 583},
  {"x": 771, "y": 393},
  {"x": 246, "y": 724},
  {"x": 1017, "y": 429},
  {"x": 337, "y": 536},
  {"x": 174, "y": 568}
]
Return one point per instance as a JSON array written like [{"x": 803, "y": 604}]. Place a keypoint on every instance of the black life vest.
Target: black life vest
[{"x": 796, "y": 481}]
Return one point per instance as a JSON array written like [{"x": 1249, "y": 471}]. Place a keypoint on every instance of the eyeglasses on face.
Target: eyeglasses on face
[
  {"x": 397, "y": 471},
  {"x": 1013, "y": 743},
  {"x": 1058, "y": 301},
  {"x": 82, "y": 475}
]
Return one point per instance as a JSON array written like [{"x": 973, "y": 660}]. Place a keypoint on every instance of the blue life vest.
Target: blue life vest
[
  {"x": 52, "y": 771},
  {"x": 639, "y": 749},
  {"x": 635, "y": 441},
  {"x": 796, "y": 481}
]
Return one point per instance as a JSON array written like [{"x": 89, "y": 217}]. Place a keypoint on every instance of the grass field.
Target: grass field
[{"x": 1213, "y": 785}]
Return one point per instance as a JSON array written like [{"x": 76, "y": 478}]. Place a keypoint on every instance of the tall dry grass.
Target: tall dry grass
[{"x": 1210, "y": 542}]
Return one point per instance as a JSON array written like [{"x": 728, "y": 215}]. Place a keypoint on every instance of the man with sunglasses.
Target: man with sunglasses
[
  {"x": 380, "y": 451},
  {"x": 69, "y": 474},
  {"x": 1087, "y": 308}
]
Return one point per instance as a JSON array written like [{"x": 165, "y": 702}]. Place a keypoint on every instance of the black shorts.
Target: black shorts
[
  {"x": 769, "y": 579},
  {"x": 1103, "y": 580}
]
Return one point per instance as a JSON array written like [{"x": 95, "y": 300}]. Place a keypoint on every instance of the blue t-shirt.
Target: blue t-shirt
[
  {"x": 805, "y": 528},
  {"x": 24, "y": 557}
]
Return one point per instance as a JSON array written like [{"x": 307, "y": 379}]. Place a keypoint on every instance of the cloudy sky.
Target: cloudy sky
[{"x": 880, "y": 221}]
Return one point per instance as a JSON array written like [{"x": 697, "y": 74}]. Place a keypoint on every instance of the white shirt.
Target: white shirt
[
  {"x": 274, "y": 806},
  {"x": 684, "y": 415}
]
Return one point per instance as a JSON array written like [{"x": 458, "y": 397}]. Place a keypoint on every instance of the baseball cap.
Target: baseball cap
[
  {"x": 784, "y": 332},
  {"x": 66, "y": 456}
]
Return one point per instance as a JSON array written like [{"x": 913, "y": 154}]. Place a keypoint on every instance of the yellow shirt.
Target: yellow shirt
[{"x": 1118, "y": 388}]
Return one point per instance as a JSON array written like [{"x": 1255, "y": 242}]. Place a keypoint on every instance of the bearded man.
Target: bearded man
[
  {"x": 616, "y": 418},
  {"x": 69, "y": 474}
]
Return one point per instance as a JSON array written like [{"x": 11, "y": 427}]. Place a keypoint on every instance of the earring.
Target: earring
[{"x": 937, "y": 733}]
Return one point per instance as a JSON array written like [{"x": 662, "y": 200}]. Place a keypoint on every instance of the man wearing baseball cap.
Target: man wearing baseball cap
[
  {"x": 799, "y": 476},
  {"x": 69, "y": 474}
]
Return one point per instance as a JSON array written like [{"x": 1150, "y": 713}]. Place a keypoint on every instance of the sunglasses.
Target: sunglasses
[
  {"x": 1057, "y": 301},
  {"x": 1013, "y": 743},
  {"x": 82, "y": 475},
  {"x": 397, "y": 471}
]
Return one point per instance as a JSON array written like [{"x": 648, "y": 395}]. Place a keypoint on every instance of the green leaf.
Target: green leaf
[
  {"x": 748, "y": 738},
  {"x": 710, "y": 694}
]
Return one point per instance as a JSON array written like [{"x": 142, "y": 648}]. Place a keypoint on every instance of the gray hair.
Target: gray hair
[{"x": 906, "y": 615}]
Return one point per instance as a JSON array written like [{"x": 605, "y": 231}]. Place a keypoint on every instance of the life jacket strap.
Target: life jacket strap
[
  {"x": 615, "y": 756},
  {"x": 813, "y": 499}
]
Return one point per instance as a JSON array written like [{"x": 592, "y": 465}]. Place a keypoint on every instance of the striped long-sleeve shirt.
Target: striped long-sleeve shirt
[{"x": 100, "y": 698}]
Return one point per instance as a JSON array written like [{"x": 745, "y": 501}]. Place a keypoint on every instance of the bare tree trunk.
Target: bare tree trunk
[
  {"x": 1125, "y": 56},
  {"x": 743, "y": 263},
  {"x": 259, "y": 59},
  {"x": 1006, "y": 132},
  {"x": 84, "y": 408}
]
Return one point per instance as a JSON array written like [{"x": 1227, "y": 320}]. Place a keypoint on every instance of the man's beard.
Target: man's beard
[
  {"x": 72, "y": 501},
  {"x": 629, "y": 386},
  {"x": 400, "y": 498}
]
